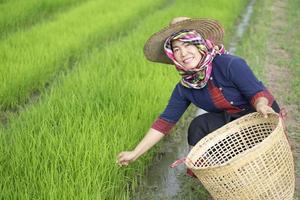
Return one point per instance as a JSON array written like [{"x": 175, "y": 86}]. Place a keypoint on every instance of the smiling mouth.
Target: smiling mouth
[{"x": 188, "y": 60}]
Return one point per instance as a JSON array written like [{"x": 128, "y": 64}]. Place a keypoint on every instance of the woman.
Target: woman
[{"x": 212, "y": 79}]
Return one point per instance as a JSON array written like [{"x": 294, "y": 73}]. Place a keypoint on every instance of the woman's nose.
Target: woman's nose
[{"x": 183, "y": 51}]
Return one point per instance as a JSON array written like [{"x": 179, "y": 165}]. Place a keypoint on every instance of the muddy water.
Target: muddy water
[{"x": 163, "y": 182}]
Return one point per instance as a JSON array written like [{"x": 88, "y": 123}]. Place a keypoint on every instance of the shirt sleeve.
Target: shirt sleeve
[
  {"x": 174, "y": 110},
  {"x": 242, "y": 76}
]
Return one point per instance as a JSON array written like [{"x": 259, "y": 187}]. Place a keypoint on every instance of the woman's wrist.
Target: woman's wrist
[
  {"x": 136, "y": 153},
  {"x": 262, "y": 106},
  {"x": 149, "y": 140},
  {"x": 261, "y": 102}
]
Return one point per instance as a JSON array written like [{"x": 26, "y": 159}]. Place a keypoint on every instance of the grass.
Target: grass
[
  {"x": 255, "y": 48},
  {"x": 30, "y": 59},
  {"x": 254, "y": 44},
  {"x": 292, "y": 46},
  {"x": 65, "y": 146},
  {"x": 19, "y": 15}
]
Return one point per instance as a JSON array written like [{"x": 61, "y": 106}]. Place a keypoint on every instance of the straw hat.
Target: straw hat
[{"x": 207, "y": 28}]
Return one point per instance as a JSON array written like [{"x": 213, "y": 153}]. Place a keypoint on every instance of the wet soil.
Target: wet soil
[{"x": 161, "y": 181}]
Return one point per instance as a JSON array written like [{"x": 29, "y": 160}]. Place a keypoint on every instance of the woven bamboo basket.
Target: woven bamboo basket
[{"x": 248, "y": 158}]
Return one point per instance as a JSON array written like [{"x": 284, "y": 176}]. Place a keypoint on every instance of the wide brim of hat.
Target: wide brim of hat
[{"x": 207, "y": 28}]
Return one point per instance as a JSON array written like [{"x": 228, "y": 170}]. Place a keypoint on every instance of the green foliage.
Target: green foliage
[
  {"x": 65, "y": 146},
  {"x": 17, "y": 15},
  {"x": 30, "y": 59}
]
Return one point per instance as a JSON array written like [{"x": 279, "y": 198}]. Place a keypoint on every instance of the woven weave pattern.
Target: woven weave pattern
[{"x": 249, "y": 158}]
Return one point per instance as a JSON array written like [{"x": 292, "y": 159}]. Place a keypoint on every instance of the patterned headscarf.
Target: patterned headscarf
[{"x": 197, "y": 77}]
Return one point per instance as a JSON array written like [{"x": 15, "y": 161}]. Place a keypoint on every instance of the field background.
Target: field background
[
  {"x": 271, "y": 46},
  {"x": 76, "y": 90}
]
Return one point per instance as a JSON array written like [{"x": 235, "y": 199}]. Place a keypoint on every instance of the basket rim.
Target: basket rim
[{"x": 248, "y": 151}]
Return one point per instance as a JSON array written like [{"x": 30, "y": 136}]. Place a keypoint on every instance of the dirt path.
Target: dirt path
[{"x": 279, "y": 77}]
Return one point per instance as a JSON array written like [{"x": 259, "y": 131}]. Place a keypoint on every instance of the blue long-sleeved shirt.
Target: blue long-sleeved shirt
[{"x": 231, "y": 75}]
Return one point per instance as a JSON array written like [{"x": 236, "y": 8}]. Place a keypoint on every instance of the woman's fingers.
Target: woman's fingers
[
  {"x": 120, "y": 159},
  {"x": 269, "y": 110},
  {"x": 265, "y": 110},
  {"x": 124, "y": 158},
  {"x": 120, "y": 155},
  {"x": 125, "y": 163}
]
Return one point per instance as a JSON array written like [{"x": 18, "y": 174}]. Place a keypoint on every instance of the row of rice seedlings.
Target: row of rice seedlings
[
  {"x": 31, "y": 58},
  {"x": 3, "y": 1},
  {"x": 65, "y": 147},
  {"x": 18, "y": 15}
]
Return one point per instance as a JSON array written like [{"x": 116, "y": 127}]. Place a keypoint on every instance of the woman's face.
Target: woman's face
[{"x": 186, "y": 54}]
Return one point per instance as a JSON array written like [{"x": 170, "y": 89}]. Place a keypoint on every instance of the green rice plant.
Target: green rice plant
[
  {"x": 30, "y": 59},
  {"x": 18, "y": 15},
  {"x": 3, "y": 1},
  {"x": 65, "y": 146}
]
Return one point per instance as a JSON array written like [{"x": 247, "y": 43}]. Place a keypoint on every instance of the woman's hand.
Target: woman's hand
[
  {"x": 126, "y": 157},
  {"x": 151, "y": 138},
  {"x": 262, "y": 107}
]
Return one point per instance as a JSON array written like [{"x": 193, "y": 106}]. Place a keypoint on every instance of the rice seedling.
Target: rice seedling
[
  {"x": 30, "y": 59},
  {"x": 65, "y": 146},
  {"x": 18, "y": 15}
]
